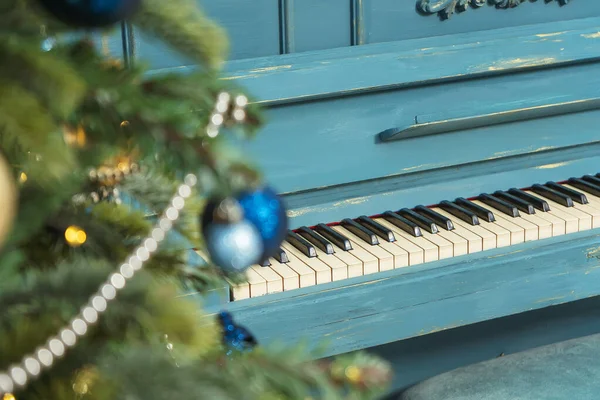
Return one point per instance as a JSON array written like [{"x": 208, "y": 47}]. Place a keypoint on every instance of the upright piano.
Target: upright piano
[{"x": 439, "y": 160}]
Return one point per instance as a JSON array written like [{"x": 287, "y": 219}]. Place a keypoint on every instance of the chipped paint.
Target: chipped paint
[
  {"x": 515, "y": 62},
  {"x": 552, "y": 166},
  {"x": 591, "y": 35},
  {"x": 270, "y": 69},
  {"x": 550, "y": 299},
  {"x": 545, "y": 35},
  {"x": 354, "y": 201}
]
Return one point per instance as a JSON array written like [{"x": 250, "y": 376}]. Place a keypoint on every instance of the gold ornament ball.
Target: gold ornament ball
[
  {"x": 8, "y": 396},
  {"x": 8, "y": 200}
]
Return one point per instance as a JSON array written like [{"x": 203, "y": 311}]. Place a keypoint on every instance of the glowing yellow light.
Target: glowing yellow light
[
  {"x": 75, "y": 137},
  {"x": 124, "y": 124},
  {"x": 23, "y": 177},
  {"x": 8, "y": 396},
  {"x": 75, "y": 236},
  {"x": 353, "y": 374}
]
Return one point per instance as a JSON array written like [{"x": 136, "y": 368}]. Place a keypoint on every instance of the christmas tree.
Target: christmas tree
[{"x": 104, "y": 172}]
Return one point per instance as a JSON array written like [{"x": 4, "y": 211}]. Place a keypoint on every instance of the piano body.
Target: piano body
[{"x": 389, "y": 124}]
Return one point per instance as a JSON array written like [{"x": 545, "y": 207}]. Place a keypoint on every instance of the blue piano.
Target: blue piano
[{"x": 439, "y": 159}]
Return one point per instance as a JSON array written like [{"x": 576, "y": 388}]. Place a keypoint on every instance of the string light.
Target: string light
[
  {"x": 75, "y": 236},
  {"x": 22, "y": 177},
  {"x": 18, "y": 375}
]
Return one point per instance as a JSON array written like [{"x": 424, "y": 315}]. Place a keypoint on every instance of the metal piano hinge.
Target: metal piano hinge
[{"x": 445, "y": 8}]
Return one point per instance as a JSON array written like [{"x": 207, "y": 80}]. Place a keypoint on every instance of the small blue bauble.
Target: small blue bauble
[
  {"x": 266, "y": 211},
  {"x": 91, "y": 13},
  {"x": 233, "y": 247},
  {"x": 235, "y": 336}
]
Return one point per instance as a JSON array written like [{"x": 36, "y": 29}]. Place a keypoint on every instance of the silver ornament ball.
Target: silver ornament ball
[{"x": 233, "y": 246}]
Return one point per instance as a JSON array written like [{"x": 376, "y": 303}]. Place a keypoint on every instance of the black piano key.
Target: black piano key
[
  {"x": 407, "y": 226},
  {"x": 586, "y": 186},
  {"x": 481, "y": 212},
  {"x": 423, "y": 222},
  {"x": 549, "y": 193},
  {"x": 499, "y": 204},
  {"x": 316, "y": 239},
  {"x": 334, "y": 236},
  {"x": 521, "y": 204},
  {"x": 301, "y": 244},
  {"x": 573, "y": 194},
  {"x": 539, "y": 204},
  {"x": 553, "y": 195},
  {"x": 360, "y": 231},
  {"x": 265, "y": 263},
  {"x": 438, "y": 218},
  {"x": 383, "y": 232},
  {"x": 460, "y": 212},
  {"x": 592, "y": 179},
  {"x": 281, "y": 256}
]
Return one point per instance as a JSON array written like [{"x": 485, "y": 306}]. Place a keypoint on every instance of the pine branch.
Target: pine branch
[{"x": 184, "y": 27}]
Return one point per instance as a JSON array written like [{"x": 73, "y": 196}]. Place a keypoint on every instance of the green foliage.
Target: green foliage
[{"x": 156, "y": 120}]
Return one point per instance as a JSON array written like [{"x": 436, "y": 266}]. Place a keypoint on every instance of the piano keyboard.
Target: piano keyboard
[{"x": 397, "y": 239}]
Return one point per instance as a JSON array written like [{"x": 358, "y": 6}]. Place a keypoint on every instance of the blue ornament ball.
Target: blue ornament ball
[
  {"x": 266, "y": 211},
  {"x": 233, "y": 243},
  {"x": 91, "y": 13}
]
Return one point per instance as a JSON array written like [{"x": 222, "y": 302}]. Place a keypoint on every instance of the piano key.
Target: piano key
[
  {"x": 258, "y": 284},
  {"x": 487, "y": 238},
  {"x": 436, "y": 217},
  {"x": 322, "y": 272},
  {"x": 481, "y": 212},
  {"x": 517, "y": 233},
  {"x": 382, "y": 251},
  {"x": 339, "y": 269},
  {"x": 380, "y": 230},
  {"x": 502, "y": 206},
  {"x": 273, "y": 280},
  {"x": 353, "y": 264},
  {"x": 574, "y": 221},
  {"x": 402, "y": 223},
  {"x": 534, "y": 227},
  {"x": 416, "y": 254},
  {"x": 586, "y": 186},
  {"x": 539, "y": 204},
  {"x": 334, "y": 236},
  {"x": 553, "y": 195},
  {"x": 370, "y": 262},
  {"x": 360, "y": 231},
  {"x": 317, "y": 240},
  {"x": 306, "y": 275},
  {"x": 460, "y": 212},
  {"x": 445, "y": 248},
  {"x": 281, "y": 256},
  {"x": 266, "y": 263},
  {"x": 460, "y": 246},
  {"x": 591, "y": 179},
  {"x": 430, "y": 250},
  {"x": 573, "y": 194},
  {"x": 240, "y": 291},
  {"x": 424, "y": 222},
  {"x": 291, "y": 280},
  {"x": 522, "y": 205},
  {"x": 592, "y": 207},
  {"x": 301, "y": 244}
]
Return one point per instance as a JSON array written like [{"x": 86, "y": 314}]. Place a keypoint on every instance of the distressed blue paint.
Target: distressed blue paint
[
  {"x": 412, "y": 301},
  {"x": 319, "y": 24}
]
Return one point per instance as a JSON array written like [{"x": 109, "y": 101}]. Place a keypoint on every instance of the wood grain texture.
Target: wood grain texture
[{"x": 413, "y": 301}]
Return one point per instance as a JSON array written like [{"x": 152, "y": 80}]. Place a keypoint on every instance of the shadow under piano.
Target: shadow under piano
[{"x": 439, "y": 161}]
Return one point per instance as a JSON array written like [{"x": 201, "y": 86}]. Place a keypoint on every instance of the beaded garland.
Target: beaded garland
[{"x": 31, "y": 365}]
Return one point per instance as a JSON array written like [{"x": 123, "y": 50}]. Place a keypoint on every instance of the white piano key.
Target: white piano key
[
  {"x": 575, "y": 219},
  {"x": 322, "y": 272},
  {"x": 385, "y": 260},
  {"x": 592, "y": 208},
  {"x": 258, "y": 284},
  {"x": 289, "y": 277},
  {"x": 339, "y": 269},
  {"x": 430, "y": 250},
  {"x": 370, "y": 263},
  {"x": 353, "y": 264},
  {"x": 400, "y": 255},
  {"x": 517, "y": 233},
  {"x": 274, "y": 280},
  {"x": 240, "y": 291},
  {"x": 306, "y": 275},
  {"x": 478, "y": 238},
  {"x": 445, "y": 248},
  {"x": 531, "y": 230},
  {"x": 460, "y": 246},
  {"x": 416, "y": 254}
]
